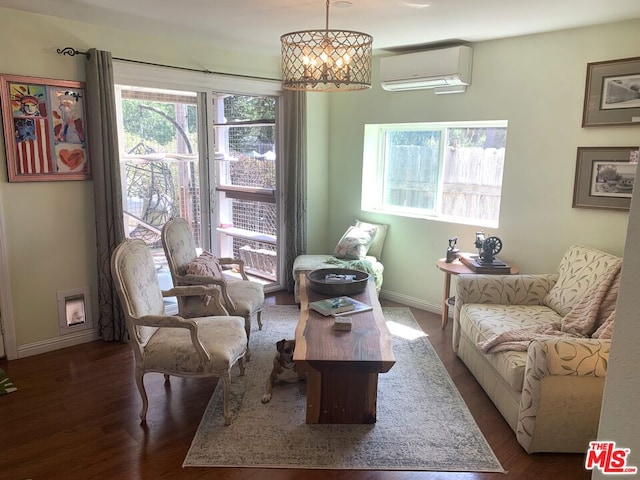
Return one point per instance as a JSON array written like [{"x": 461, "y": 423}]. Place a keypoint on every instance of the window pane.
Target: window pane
[
  {"x": 245, "y": 147},
  {"x": 411, "y": 169},
  {"x": 445, "y": 171},
  {"x": 474, "y": 162},
  {"x": 258, "y": 252},
  {"x": 246, "y": 136},
  {"x": 159, "y": 161}
]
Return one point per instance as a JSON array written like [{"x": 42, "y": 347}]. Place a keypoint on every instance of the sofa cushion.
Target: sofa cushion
[
  {"x": 375, "y": 250},
  {"x": 355, "y": 243},
  {"x": 479, "y": 322},
  {"x": 306, "y": 263},
  {"x": 578, "y": 271},
  {"x": 171, "y": 349}
]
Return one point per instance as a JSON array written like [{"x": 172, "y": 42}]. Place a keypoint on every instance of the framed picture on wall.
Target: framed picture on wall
[
  {"x": 44, "y": 129},
  {"x": 612, "y": 93},
  {"x": 605, "y": 177}
]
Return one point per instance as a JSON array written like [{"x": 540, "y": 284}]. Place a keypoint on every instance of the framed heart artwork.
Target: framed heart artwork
[{"x": 44, "y": 124}]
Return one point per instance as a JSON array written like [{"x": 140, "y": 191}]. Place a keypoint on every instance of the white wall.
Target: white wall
[{"x": 537, "y": 84}]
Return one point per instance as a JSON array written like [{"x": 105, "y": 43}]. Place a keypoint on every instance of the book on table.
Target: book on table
[
  {"x": 475, "y": 264},
  {"x": 341, "y": 322},
  {"x": 339, "y": 306}
]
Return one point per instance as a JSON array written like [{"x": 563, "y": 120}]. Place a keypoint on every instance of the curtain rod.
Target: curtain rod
[{"x": 70, "y": 51}]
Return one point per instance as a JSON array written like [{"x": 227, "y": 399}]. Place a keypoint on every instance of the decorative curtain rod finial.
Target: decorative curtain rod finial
[{"x": 72, "y": 52}]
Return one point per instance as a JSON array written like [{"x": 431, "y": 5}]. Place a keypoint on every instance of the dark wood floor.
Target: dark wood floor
[{"x": 75, "y": 416}]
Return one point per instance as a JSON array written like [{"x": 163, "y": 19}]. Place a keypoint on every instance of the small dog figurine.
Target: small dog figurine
[{"x": 283, "y": 367}]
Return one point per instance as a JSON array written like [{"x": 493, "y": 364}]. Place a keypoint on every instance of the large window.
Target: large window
[
  {"x": 203, "y": 147},
  {"x": 445, "y": 171}
]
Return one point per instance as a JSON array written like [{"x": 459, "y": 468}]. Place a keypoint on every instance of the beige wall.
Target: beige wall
[{"x": 536, "y": 83}]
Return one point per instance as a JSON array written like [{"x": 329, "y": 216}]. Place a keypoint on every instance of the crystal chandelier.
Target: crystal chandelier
[{"x": 326, "y": 60}]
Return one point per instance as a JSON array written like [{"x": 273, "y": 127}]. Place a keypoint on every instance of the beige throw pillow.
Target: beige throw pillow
[
  {"x": 375, "y": 250},
  {"x": 354, "y": 244}
]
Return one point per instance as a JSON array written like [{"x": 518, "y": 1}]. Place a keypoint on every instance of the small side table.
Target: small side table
[{"x": 456, "y": 268}]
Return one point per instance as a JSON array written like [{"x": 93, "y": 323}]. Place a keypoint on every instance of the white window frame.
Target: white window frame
[{"x": 373, "y": 170}]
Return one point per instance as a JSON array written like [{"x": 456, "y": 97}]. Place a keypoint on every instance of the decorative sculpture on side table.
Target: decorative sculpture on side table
[
  {"x": 490, "y": 248},
  {"x": 452, "y": 251}
]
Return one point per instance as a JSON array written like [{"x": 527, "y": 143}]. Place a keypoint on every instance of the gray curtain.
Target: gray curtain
[
  {"x": 105, "y": 166},
  {"x": 295, "y": 165}
]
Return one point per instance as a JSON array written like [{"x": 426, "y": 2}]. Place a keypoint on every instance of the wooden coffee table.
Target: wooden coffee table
[{"x": 342, "y": 367}]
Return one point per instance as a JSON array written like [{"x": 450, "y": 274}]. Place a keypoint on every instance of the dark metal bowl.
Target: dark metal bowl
[{"x": 317, "y": 281}]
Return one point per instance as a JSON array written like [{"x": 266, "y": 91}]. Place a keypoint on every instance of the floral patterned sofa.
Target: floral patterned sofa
[{"x": 539, "y": 346}]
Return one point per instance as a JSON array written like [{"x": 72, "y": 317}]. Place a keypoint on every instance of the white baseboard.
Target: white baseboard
[
  {"x": 411, "y": 301},
  {"x": 57, "y": 343}
]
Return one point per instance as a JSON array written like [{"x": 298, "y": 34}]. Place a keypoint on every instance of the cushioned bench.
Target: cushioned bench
[{"x": 362, "y": 242}]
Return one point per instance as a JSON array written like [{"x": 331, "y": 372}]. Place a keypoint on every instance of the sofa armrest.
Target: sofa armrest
[
  {"x": 500, "y": 290},
  {"x": 557, "y": 357}
]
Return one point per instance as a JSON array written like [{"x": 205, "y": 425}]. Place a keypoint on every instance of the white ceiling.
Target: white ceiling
[{"x": 254, "y": 25}]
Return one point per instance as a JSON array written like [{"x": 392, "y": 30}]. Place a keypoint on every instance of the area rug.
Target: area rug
[
  {"x": 5, "y": 384},
  {"x": 422, "y": 421}
]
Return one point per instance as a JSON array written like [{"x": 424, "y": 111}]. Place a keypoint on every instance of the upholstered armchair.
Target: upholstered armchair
[
  {"x": 241, "y": 297},
  {"x": 173, "y": 345}
]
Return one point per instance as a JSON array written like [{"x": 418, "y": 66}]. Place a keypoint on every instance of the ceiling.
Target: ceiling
[{"x": 256, "y": 25}]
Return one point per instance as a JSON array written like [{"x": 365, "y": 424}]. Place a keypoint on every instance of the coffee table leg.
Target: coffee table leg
[
  {"x": 314, "y": 391},
  {"x": 340, "y": 397}
]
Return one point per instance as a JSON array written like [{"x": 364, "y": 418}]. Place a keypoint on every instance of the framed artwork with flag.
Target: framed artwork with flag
[{"x": 44, "y": 124}]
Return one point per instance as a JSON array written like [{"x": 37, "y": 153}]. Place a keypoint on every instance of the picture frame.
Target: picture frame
[
  {"x": 605, "y": 177},
  {"x": 44, "y": 123},
  {"x": 612, "y": 93}
]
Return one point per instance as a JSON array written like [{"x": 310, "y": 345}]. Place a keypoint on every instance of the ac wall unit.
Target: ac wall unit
[{"x": 444, "y": 67}]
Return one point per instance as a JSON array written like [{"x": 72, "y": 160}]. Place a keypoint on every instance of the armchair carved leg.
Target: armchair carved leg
[
  {"x": 241, "y": 366},
  {"x": 226, "y": 380},
  {"x": 247, "y": 328},
  {"x": 143, "y": 394}
]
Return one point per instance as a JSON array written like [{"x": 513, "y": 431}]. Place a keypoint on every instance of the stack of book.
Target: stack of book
[
  {"x": 339, "y": 278},
  {"x": 342, "y": 323},
  {"x": 339, "y": 306}
]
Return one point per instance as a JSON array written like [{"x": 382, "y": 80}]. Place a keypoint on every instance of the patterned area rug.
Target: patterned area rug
[
  {"x": 423, "y": 423},
  {"x": 5, "y": 384}
]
